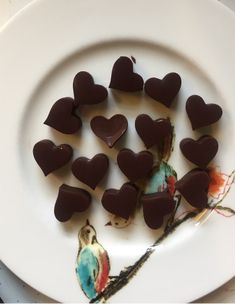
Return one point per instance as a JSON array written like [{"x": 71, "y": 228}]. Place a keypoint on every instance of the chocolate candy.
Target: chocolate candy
[
  {"x": 51, "y": 157},
  {"x": 155, "y": 207},
  {"x": 193, "y": 186},
  {"x": 123, "y": 78},
  {"x": 69, "y": 201},
  {"x": 135, "y": 165},
  {"x": 62, "y": 117},
  {"x": 152, "y": 132},
  {"x": 201, "y": 151},
  {"x": 163, "y": 90},
  {"x": 201, "y": 114},
  {"x": 109, "y": 130},
  {"x": 91, "y": 171},
  {"x": 86, "y": 92},
  {"x": 121, "y": 202}
]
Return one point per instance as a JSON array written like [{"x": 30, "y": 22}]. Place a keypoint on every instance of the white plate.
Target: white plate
[{"x": 41, "y": 50}]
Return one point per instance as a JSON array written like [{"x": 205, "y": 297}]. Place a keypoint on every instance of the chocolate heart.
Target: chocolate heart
[
  {"x": 91, "y": 171},
  {"x": 109, "y": 130},
  {"x": 155, "y": 207},
  {"x": 163, "y": 90},
  {"x": 62, "y": 117},
  {"x": 152, "y": 132},
  {"x": 123, "y": 78},
  {"x": 121, "y": 202},
  {"x": 201, "y": 151},
  {"x": 194, "y": 188},
  {"x": 135, "y": 165},
  {"x": 86, "y": 91},
  {"x": 69, "y": 201},
  {"x": 201, "y": 114},
  {"x": 51, "y": 157}
]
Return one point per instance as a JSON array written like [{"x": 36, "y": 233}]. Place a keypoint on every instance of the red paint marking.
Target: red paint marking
[
  {"x": 227, "y": 184},
  {"x": 217, "y": 181},
  {"x": 102, "y": 279},
  {"x": 171, "y": 184}
]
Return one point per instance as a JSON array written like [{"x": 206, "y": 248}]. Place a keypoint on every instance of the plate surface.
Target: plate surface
[{"x": 41, "y": 50}]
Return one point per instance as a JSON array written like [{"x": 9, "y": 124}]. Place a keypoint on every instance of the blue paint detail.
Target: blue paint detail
[
  {"x": 158, "y": 181},
  {"x": 87, "y": 271}
]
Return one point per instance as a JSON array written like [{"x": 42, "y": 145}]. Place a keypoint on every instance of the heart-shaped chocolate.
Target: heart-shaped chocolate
[
  {"x": 163, "y": 90},
  {"x": 86, "y": 91},
  {"x": 91, "y": 171},
  {"x": 51, "y": 157},
  {"x": 155, "y": 207},
  {"x": 123, "y": 78},
  {"x": 201, "y": 151},
  {"x": 62, "y": 117},
  {"x": 201, "y": 114},
  {"x": 194, "y": 188},
  {"x": 135, "y": 165},
  {"x": 109, "y": 130},
  {"x": 121, "y": 202},
  {"x": 152, "y": 132},
  {"x": 69, "y": 201}
]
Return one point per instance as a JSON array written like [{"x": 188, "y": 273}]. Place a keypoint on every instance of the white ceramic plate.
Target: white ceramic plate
[{"x": 41, "y": 50}]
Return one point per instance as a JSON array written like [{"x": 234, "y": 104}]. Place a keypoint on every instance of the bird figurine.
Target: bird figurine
[
  {"x": 92, "y": 265},
  {"x": 118, "y": 222},
  {"x": 163, "y": 178}
]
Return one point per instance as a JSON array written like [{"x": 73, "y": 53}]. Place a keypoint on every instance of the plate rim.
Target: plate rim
[{"x": 31, "y": 6}]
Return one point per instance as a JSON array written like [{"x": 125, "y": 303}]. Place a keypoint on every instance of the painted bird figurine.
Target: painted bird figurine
[
  {"x": 93, "y": 265},
  {"x": 163, "y": 178}
]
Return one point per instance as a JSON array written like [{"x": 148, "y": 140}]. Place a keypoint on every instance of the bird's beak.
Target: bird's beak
[
  {"x": 108, "y": 224},
  {"x": 87, "y": 222}
]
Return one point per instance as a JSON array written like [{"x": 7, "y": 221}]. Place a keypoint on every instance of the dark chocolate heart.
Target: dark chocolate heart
[
  {"x": 69, "y": 201},
  {"x": 152, "y": 132},
  {"x": 163, "y": 90},
  {"x": 135, "y": 165},
  {"x": 86, "y": 91},
  {"x": 121, "y": 202},
  {"x": 51, "y": 157},
  {"x": 91, "y": 171},
  {"x": 193, "y": 186},
  {"x": 123, "y": 78},
  {"x": 201, "y": 114},
  {"x": 201, "y": 151},
  {"x": 62, "y": 117},
  {"x": 109, "y": 130},
  {"x": 155, "y": 207}
]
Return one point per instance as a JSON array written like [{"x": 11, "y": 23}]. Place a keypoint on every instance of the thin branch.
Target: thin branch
[
  {"x": 228, "y": 209},
  {"x": 172, "y": 217},
  {"x": 118, "y": 282},
  {"x": 125, "y": 275}
]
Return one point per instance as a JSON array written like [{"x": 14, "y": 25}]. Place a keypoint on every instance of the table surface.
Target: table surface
[{"x": 13, "y": 289}]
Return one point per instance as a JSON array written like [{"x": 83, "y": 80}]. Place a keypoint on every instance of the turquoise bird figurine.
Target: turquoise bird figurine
[
  {"x": 163, "y": 178},
  {"x": 92, "y": 266}
]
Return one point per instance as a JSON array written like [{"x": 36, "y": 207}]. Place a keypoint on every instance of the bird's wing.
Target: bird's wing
[
  {"x": 87, "y": 270},
  {"x": 160, "y": 179},
  {"x": 104, "y": 266}
]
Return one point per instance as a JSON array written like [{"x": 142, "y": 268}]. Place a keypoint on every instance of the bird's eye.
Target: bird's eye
[{"x": 88, "y": 231}]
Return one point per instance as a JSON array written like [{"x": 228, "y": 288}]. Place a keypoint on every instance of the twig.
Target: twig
[
  {"x": 172, "y": 217},
  {"x": 228, "y": 209},
  {"x": 128, "y": 272}
]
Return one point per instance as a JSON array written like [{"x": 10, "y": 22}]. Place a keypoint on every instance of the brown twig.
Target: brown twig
[{"x": 127, "y": 274}]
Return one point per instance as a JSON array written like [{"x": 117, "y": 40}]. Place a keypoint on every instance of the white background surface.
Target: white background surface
[{"x": 14, "y": 290}]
